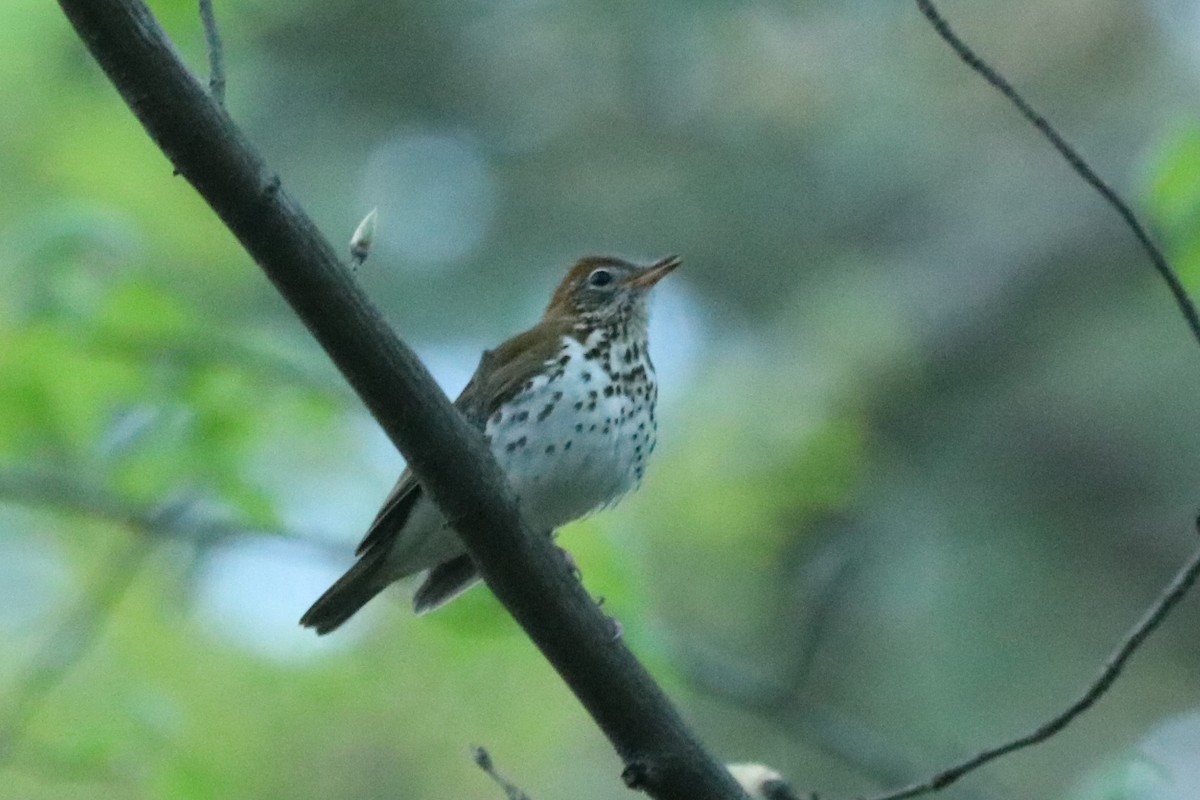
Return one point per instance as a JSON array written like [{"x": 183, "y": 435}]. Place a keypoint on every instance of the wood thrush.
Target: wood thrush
[{"x": 568, "y": 410}]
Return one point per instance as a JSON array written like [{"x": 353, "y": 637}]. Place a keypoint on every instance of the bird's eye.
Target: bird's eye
[{"x": 600, "y": 277}]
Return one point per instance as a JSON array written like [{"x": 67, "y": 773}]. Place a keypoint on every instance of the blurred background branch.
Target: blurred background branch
[
  {"x": 869, "y": 753},
  {"x": 182, "y": 519},
  {"x": 68, "y": 643}
]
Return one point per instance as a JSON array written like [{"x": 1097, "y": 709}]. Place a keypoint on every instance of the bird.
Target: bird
[{"x": 568, "y": 410}]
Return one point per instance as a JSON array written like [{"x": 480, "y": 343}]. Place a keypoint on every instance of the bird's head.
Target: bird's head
[{"x": 602, "y": 289}]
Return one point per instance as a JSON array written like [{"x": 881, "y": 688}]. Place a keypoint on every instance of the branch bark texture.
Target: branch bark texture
[{"x": 450, "y": 458}]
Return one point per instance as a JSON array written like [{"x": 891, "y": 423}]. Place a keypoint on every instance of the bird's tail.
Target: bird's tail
[
  {"x": 351, "y": 592},
  {"x": 445, "y": 582}
]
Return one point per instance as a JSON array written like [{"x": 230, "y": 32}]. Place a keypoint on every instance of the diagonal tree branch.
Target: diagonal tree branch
[{"x": 662, "y": 756}]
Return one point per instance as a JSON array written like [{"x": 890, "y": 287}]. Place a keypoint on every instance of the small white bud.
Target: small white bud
[
  {"x": 363, "y": 238},
  {"x": 761, "y": 782}
]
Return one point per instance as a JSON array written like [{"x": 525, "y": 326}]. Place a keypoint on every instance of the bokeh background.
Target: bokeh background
[{"x": 928, "y": 427}]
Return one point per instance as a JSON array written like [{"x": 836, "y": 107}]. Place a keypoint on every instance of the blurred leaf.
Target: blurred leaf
[
  {"x": 1175, "y": 179},
  {"x": 58, "y": 394},
  {"x": 1174, "y": 197},
  {"x": 139, "y": 309}
]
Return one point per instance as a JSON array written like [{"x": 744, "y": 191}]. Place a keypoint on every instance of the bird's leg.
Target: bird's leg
[{"x": 618, "y": 630}]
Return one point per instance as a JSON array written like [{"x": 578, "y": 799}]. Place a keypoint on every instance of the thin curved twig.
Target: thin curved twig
[
  {"x": 1163, "y": 267},
  {"x": 1150, "y": 621},
  {"x": 483, "y": 760},
  {"x": 216, "y": 52},
  {"x": 1187, "y": 575}
]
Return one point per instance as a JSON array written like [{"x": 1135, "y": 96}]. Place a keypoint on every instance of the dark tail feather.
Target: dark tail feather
[
  {"x": 351, "y": 592},
  {"x": 445, "y": 582}
]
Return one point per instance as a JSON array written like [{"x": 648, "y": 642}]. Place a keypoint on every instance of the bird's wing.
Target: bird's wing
[
  {"x": 501, "y": 374},
  {"x": 393, "y": 514}
]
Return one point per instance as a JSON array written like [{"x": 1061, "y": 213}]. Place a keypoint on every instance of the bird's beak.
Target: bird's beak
[{"x": 647, "y": 277}]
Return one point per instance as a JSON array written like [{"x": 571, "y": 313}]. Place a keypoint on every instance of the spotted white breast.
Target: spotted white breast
[{"x": 576, "y": 438}]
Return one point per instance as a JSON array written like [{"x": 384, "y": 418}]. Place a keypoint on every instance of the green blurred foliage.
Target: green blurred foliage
[
  {"x": 927, "y": 430},
  {"x": 1174, "y": 193}
]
